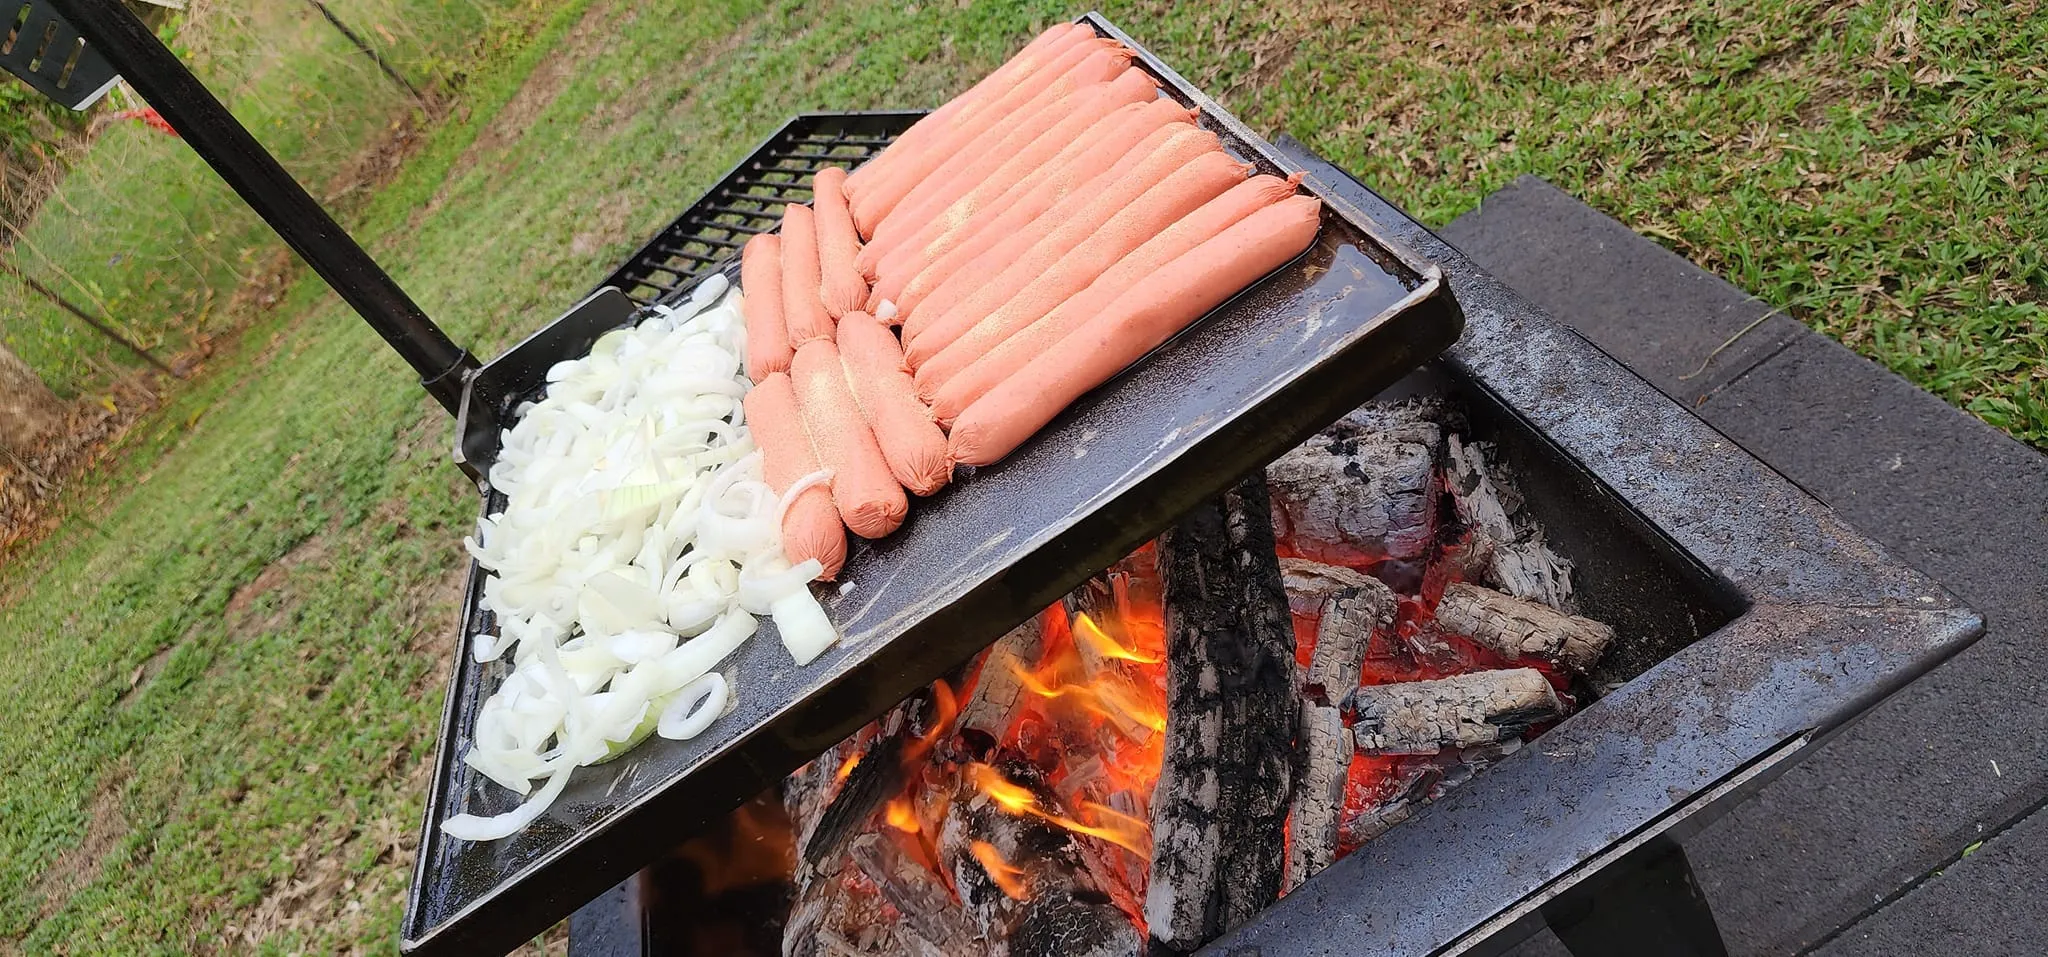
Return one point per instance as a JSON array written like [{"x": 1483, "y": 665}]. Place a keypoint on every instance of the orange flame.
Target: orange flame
[
  {"x": 1010, "y": 879},
  {"x": 1130, "y": 833},
  {"x": 946, "y": 707},
  {"x": 846, "y": 768},
  {"x": 1108, "y": 699},
  {"x": 901, "y": 816},
  {"x": 1013, "y": 797},
  {"x": 1088, "y": 631}
]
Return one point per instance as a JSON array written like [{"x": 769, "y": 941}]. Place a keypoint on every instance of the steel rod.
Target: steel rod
[
  {"x": 90, "y": 320},
  {"x": 368, "y": 50},
  {"x": 264, "y": 184}
]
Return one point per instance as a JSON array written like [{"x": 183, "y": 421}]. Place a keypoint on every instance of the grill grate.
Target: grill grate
[{"x": 749, "y": 199}]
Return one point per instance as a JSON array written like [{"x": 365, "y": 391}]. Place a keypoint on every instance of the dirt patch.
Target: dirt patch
[
  {"x": 612, "y": 223},
  {"x": 310, "y": 550},
  {"x": 79, "y": 866},
  {"x": 87, "y": 431},
  {"x": 379, "y": 163}
]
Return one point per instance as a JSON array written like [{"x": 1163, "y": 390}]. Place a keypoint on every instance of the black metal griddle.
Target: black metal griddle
[
  {"x": 1263, "y": 372},
  {"x": 1286, "y": 356}
]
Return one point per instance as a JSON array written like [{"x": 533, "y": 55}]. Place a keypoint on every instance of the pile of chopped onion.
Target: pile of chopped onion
[{"x": 637, "y": 545}]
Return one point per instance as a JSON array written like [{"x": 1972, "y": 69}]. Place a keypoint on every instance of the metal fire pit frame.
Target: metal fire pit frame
[{"x": 1833, "y": 625}]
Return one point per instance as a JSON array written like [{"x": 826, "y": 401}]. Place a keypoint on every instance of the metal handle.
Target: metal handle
[{"x": 257, "y": 177}]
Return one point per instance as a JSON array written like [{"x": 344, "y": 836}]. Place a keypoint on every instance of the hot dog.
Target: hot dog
[
  {"x": 921, "y": 133},
  {"x": 840, "y": 286},
  {"x": 1170, "y": 148},
  {"x": 761, "y": 299},
  {"x": 1137, "y": 322},
  {"x": 811, "y": 527},
  {"x": 1001, "y": 344},
  {"x": 869, "y": 500},
  {"x": 976, "y": 168},
  {"x": 912, "y": 271},
  {"x": 803, "y": 311},
  {"x": 1077, "y": 251},
  {"x": 1086, "y": 62},
  {"x": 911, "y": 442}
]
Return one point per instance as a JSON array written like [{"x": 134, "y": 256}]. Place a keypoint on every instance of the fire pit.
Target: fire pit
[
  {"x": 1748, "y": 624},
  {"x": 1730, "y": 622}
]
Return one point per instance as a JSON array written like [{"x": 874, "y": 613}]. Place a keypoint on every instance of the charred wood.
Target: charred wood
[
  {"x": 1506, "y": 546},
  {"x": 997, "y": 691},
  {"x": 1418, "y": 784},
  {"x": 1219, "y": 810},
  {"x": 1309, "y": 583},
  {"x": 1023, "y": 881},
  {"x": 842, "y": 808},
  {"x": 1463, "y": 711},
  {"x": 1517, "y": 628},
  {"x": 1324, "y": 745},
  {"x": 1364, "y": 490},
  {"x": 932, "y": 922},
  {"x": 829, "y": 917}
]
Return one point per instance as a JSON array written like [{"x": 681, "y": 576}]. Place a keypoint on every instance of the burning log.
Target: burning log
[
  {"x": 1219, "y": 810},
  {"x": 1462, "y": 711},
  {"x": 839, "y": 911},
  {"x": 933, "y": 924},
  {"x": 1506, "y": 545},
  {"x": 998, "y": 691},
  {"x": 1365, "y": 490},
  {"x": 1325, "y": 747},
  {"x": 1020, "y": 873},
  {"x": 830, "y": 917},
  {"x": 1516, "y": 628}
]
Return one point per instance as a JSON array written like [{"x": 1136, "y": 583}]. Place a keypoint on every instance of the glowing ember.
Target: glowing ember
[
  {"x": 901, "y": 816},
  {"x": 1010, "y": 879},
  {"x": 846, "y": 767}
]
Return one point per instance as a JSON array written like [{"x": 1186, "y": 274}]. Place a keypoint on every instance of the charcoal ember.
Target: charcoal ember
[
  {"x": 1517, "y": 628},
  {"x": 1504, "y": 545},
  {"x": 1324, "y": 746},
  {"x": 1462, "y": 711},
  {"x": 1364, "y": 492},
  {"x": 1025, "y": 883},
  {"x": 1415, "y": 783}
]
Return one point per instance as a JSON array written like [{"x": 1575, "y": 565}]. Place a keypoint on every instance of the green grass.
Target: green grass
[
  {"x": 263, "y": 779},
  {"x": 144, "y": 233}
]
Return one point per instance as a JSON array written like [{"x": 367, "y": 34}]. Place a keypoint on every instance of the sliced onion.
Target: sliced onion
[
  {"x": 695, "y": 706},
  {"x": 768, "y": 579},
  {"x": 802, "y": 624},
  {"x": 469, "y": 827},
  {"x": 638, "y": 544}
]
